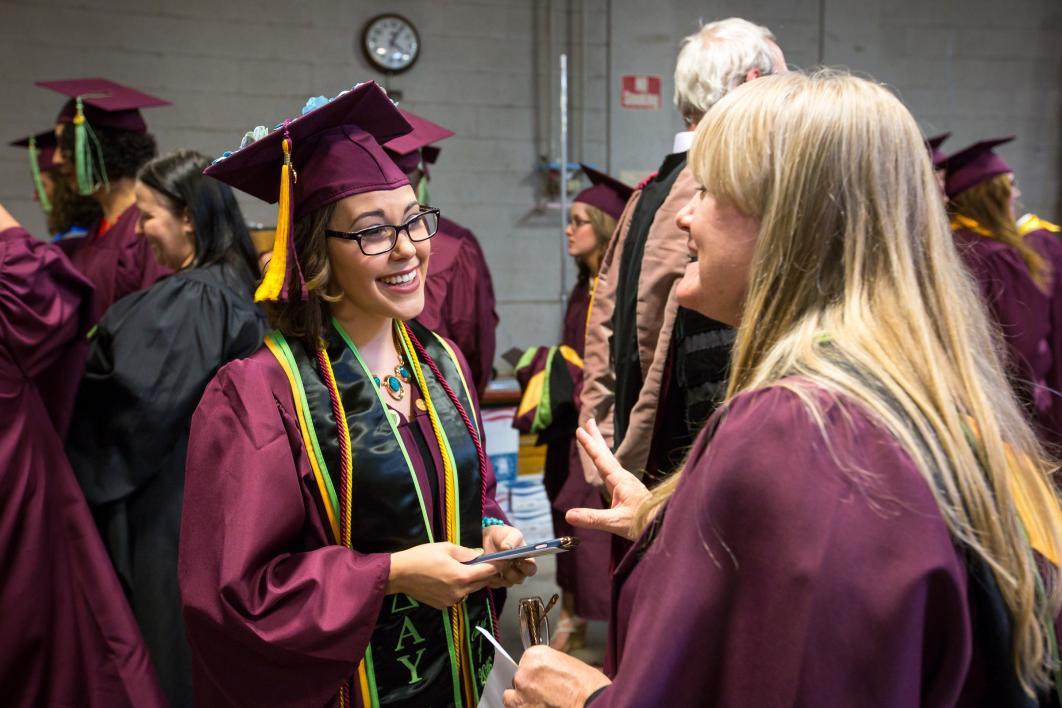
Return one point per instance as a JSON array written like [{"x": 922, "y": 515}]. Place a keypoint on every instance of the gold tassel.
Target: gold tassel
[{"x": 273, "y": 282}]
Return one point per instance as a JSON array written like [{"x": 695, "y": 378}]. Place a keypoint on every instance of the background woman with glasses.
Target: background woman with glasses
[
  {"x": 584, "y": 576},
  {"x": 336, "y": 480}
]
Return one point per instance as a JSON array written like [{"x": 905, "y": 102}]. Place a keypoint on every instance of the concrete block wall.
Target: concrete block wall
[
  {"x": 488, "y": 71},
  {"x": 973, "y": 67},
  {"x": 229, "y": 66}
]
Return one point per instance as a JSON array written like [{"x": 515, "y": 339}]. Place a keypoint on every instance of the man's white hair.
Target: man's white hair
[{"x": 715, "y": 59}]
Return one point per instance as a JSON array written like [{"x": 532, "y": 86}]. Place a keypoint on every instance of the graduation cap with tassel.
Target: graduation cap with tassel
[
  {"x": 974, "y": 164},
  {"x": 42, "y": 147},
  {"x": 415, "y": 149},
  {"x": 104, "y": 104},
  {"x": 332, "y": 151}
]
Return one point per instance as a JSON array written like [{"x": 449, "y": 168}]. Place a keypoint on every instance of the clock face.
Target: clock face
[{"x": 391, "y": 43}]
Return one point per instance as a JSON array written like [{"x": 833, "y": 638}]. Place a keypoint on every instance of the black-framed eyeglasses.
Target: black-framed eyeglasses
[{"x": 381, "y": 239}]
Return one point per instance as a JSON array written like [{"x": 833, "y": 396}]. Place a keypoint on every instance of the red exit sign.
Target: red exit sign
[{"x": 641, "y": 92}]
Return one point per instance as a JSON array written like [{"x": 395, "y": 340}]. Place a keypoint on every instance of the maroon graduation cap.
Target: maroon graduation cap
[
  {"x": 41, "y": 148},
  {"x": 330, "y": 152},
  {"x": 410, "y": 150},
  {"x": 973, "y": 165},
  {"x": 605, "y": 193},
  {"x": 933, "y": 145},
  {"x": 104, "y": 103}
]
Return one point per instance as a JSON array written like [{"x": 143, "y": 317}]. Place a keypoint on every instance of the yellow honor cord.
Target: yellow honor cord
[
  {"x": 457, "y": 623},
  {"x": 958, "y": 221}
]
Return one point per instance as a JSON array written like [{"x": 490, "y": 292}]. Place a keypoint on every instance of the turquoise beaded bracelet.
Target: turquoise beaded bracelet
[{"x": 491, "y": 521}]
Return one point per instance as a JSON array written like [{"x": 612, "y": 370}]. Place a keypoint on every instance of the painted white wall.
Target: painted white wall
[{"x": 487, "y": 72}]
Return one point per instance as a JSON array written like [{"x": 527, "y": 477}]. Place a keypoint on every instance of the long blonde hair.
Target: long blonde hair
[
  {"x": 854, "y": 248},
  {"x": 988, "y": 203}
]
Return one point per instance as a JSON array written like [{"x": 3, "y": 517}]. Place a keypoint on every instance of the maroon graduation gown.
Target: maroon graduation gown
[
  {"x": 276, "y": 615},
  {"x": 788, "y": 572},
  {"x": 68, "y": 636},
  {"x": 459, "y": 298},
  {"x": 117, "y": 262},
  {"x": 152, "y": 356},
  {"x": 1030, "y": 319},
  {"x": 56, "y": 382},
  {"x": 586, "y": 573}
]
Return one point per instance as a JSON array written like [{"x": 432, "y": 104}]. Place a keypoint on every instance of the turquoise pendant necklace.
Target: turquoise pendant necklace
[{"x": 394, "y": 383}]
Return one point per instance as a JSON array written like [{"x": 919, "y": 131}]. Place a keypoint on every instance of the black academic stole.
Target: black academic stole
[{"x": 406, "y": 662}]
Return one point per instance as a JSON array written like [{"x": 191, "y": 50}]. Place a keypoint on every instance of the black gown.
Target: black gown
[{"x": 150, "y": 361}]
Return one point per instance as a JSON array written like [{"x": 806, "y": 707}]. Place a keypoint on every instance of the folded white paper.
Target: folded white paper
[{"x": 501, "y": 676}]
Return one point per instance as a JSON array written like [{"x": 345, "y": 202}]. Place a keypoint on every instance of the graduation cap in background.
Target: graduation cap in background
[
  {"x": 333, "y": 150},
  {"x": 98, "y": 103},
  {"x": 933, "y": 145},
  {"x": 605, "y": 193},
  {"x": 42, "y": 147},
  {"x": 415, "y": 148},
  {"x": 973, "y": 165}
]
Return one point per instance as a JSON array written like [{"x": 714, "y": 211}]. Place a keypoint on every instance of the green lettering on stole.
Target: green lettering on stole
[
  {"x": 414, "y": 676},
  {"x": 395, "y": 609},
  {"x": 408, "y": 630}
]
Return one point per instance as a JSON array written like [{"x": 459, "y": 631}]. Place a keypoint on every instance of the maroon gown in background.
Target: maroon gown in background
[
  {"x": 459, "y": 298},
  {"x": 67, "y": 635},
  {"x": 57, "y": 378},
  {"x": 792, "y": 571},
  {"x": 585, "y": 573},
  {"x": 117, "y": 262},
  {"x": 276, "y": 614},
  {"x": 1029, "y": 317}
]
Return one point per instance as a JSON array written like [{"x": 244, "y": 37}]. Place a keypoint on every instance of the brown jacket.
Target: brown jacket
[{"x": 666, "y": 256}]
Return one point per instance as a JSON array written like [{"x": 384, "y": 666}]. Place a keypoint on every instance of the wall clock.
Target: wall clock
[{"x": 391, "y": 43}]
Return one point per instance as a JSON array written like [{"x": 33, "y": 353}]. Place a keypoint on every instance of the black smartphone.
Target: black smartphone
[{"x": 532, "y": 550}]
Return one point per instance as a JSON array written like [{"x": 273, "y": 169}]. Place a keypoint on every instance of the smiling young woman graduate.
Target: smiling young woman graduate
[{"x": 336, "y": 479}]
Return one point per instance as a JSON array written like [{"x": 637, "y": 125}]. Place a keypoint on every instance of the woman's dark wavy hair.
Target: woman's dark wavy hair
[
  {"x": 124, "y": 151},
  {"x": 221, "y": 234}
]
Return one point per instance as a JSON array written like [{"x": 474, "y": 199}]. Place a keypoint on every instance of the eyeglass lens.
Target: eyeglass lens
[{"x": 383, "y": 238}]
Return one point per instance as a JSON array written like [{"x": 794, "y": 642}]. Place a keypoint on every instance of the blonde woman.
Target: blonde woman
[
  {"x": 1016, "y": 274},
  {"x": 851, "y": 528}
]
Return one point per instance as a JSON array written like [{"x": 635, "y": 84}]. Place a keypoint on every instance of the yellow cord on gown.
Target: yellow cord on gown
[{"x": 457, "y": 623}]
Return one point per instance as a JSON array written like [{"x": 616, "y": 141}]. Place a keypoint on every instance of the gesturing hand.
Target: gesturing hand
[{"x": 626, "y": 491}]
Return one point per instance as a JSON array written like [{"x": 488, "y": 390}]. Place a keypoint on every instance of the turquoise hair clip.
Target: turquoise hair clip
[
  {"x": 313, "y": 103},
  {"x": 253, "y": 136}
]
